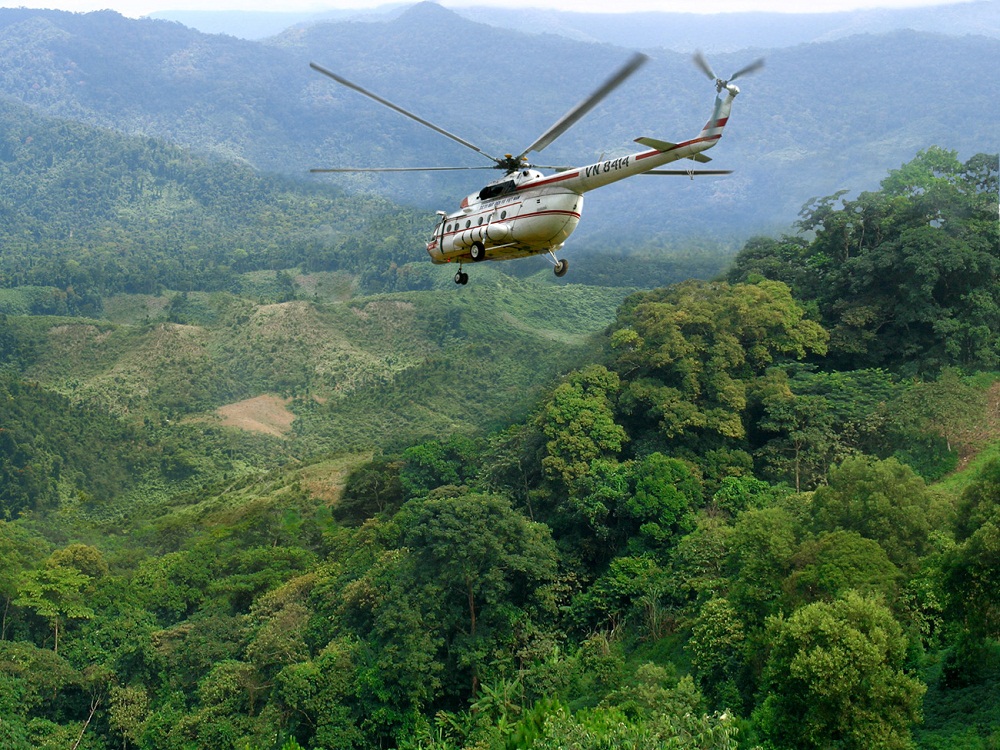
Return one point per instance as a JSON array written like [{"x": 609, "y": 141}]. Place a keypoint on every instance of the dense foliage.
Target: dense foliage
[
  {"x": 907, "y": 277},
  {"x": 715, "y": 530},
  {"x": 473, "y": 522}
]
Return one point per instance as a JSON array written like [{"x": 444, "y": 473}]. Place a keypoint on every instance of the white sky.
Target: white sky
[{"x": 138, "y": 8}]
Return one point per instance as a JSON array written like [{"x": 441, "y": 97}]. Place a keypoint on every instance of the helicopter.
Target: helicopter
[{"x": 526, "y": 212}]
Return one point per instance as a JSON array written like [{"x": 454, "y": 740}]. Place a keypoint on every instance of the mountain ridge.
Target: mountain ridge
[
  {"x": 818, "y": 119},
  {"x": 684, "y": 32}
]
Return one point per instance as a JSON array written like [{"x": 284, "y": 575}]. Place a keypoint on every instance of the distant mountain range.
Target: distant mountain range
[
  {"x": 822, "y": 116},
  {"x": 681, "y": 32}
]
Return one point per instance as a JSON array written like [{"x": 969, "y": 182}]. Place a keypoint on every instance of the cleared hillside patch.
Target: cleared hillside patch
[{"x": 267, "y": 414}]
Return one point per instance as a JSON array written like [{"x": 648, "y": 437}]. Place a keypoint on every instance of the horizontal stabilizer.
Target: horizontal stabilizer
[{"x": 667, "y": 146}]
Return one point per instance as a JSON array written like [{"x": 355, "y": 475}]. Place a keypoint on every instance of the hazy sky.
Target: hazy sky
[{"x": 137, "y": 8}]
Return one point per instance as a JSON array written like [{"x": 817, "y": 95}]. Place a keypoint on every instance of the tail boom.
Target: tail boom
[{"x": 583, "y": 179}]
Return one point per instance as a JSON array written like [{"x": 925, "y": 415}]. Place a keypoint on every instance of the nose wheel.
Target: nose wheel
[
  {"x": 461, "y": 278},
  {"x": 559, "y": 267}
]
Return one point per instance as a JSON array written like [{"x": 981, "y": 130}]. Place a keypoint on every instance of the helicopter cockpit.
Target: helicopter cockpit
[
  {"x": 495, "y": 190},
  {"x": 509, "y": 185}
]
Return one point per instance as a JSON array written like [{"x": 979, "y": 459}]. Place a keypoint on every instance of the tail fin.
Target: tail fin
[{"x": 720, "y": 115}]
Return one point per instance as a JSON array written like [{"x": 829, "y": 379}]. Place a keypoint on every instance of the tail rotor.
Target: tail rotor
[{"x": 720, "y": 84}]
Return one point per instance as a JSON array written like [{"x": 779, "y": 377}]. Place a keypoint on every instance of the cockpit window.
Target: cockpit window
[{"x": 493, "y": 191}]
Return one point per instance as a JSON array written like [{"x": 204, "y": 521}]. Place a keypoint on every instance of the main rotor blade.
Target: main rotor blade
[
  {"x": 395, "y": 169},
  {"x": 344, "y": 82},
  {"x": 574, "y": 115}
]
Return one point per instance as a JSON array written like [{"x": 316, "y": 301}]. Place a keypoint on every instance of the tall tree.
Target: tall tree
[
  {"x": 56, "y": 593},
  {"x": 481, "y": 558},
  {"x": 687, "y": 352},
  {"x": 835, "y": 678},
  {"x": 908, "y": 277},
  {"x": 972, "y": 567},
  {"x": 881, "y": 500},
  {"x": 579, "y": 423}
]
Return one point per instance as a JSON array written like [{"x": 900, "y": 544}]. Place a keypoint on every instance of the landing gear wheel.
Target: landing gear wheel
[
  {"x": 561, "y": 267},
  {"x": 478, "y": 251},
  {"x": 462, "y": 278}
]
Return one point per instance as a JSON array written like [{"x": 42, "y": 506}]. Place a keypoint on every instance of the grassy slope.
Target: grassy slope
[{"x": 359, "y": 373}]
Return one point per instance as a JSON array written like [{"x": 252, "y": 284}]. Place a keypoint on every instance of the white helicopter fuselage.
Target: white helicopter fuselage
[{"x": 528, "y": 213}]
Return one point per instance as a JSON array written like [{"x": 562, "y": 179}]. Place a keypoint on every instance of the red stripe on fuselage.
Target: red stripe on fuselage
[
  {"x": 512, "y": 220},
  {"x": 548, "y": 212},
  {"x": 640, "y": 157},
  {"x": 720, "y": 123},
  {"x": 692, "y": 142},
  {"x": 548, "y": 181}
]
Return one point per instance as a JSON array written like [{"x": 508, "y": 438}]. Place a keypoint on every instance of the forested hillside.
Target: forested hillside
[
  {"x": 86, "y": 213},
  {"x": 94, "y": 213},
  {"x": 821, "y": 117},
  {"x": 284, "y": 512}
]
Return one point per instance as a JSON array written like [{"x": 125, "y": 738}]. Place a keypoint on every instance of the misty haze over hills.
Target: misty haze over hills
[
  {"x": 821, "y": 116},
  {"x": 682, "y": 32}
]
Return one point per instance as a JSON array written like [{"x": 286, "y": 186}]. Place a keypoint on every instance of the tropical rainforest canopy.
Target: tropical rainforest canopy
[{"x": 757, "y": 509}]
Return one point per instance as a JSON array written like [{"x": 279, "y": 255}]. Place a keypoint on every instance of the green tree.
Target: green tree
[
  {"x": 319, "y": 697},
  {"x": 616, "y": 593},
  {"x": 762, "y": 545},
  {"x": 881, "y": 500},
  {"x": 946, "y": 406},
  {"x": 835, "y": 678},
  {"x": 578, "y": 421},
  {"x": 698, "y": 563},
  {"x": 717, "y": 647},
  {"x": 83, "y": 557},
  {"x": 905, "y": 278},
  {"x": 481, "y": 558},
  {"x": 58, "y": 594},
  {"x": 972, "y": 568},
  {"x": 661, "y": 505},
  {"x": 374, "y": 487},
  {"x": 16, "y": 549},
  {"x": 736, "y": 494},
  {"x": 433, "y": 464},
  {"x": 804, "y": 444},
  {"x": 127, "y": 712},
  {"x": 837, "y": 562},
  {"x": 688, "y": 352}
]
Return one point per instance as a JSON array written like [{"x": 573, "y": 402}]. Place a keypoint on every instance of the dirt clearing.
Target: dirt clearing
[{"x": 267, "y": 414}]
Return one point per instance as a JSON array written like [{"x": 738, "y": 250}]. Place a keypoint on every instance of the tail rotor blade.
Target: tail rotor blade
[
  {"x": 754, "y": 66},
  {"x": 702, "y": 63}
]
